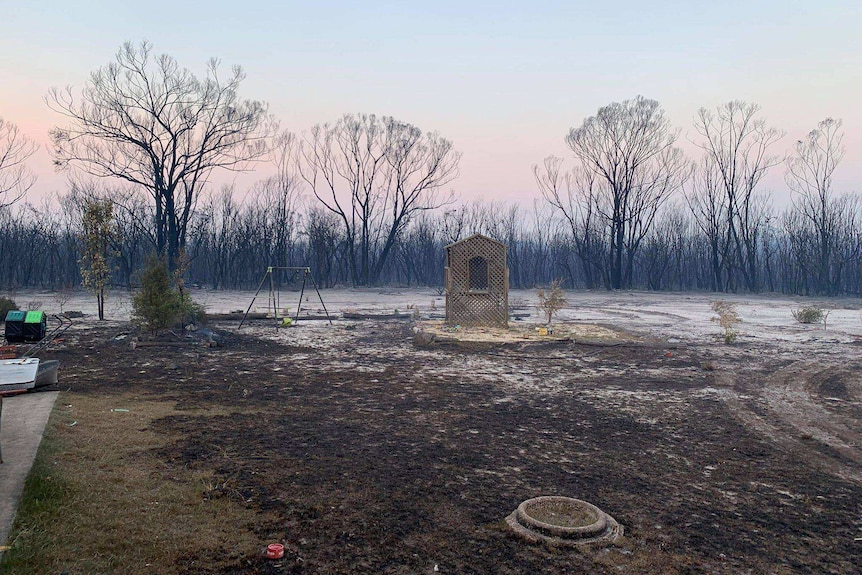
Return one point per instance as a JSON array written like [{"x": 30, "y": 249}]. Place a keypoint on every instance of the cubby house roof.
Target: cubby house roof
[{"x": 475, "y": 237}]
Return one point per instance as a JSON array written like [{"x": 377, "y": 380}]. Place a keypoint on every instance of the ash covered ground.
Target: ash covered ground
[{"x": 378, "y": 455}]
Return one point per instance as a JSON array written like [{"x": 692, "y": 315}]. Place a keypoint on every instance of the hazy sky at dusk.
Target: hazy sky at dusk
[{"x": 503, "y": 80}]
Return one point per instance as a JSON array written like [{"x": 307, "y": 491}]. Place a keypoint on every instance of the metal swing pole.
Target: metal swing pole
[
  {"x": 299, "y": 305},
  {"x": 272, "y": 296},
  {"x": 260, "y": 287},
  {"x": 314, "y": 283},
  {"x": 277, "y": 300}
]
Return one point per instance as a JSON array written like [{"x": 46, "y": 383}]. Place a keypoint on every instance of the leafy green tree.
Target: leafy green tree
[{"x": 99, "y": 231}]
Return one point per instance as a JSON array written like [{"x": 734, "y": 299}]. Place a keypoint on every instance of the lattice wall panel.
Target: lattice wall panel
[{"x": 477, "y": 283}]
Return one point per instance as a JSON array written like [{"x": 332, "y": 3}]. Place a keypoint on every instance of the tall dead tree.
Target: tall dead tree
[
  {"x": 15, "y": 149},
  {"x": 809, "y": 176},
  {"x": 628, "y": 148},
  {"x": 277, "y": 201},
  {"x": 708, "y": 203},
  {"x": 735, "y": 144},
  {"x": 573, "y": 194},
  {"x": 375, "y": 174},
  {"x": 145, "y": 120}
]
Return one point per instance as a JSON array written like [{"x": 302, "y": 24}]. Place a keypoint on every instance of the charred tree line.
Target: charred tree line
[
  {"x": 365, "y": 201},
  {"x": 231, "y": 242}
]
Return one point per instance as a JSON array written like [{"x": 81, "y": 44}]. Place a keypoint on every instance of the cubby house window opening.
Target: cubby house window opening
[{"x": 477, "y": 274}]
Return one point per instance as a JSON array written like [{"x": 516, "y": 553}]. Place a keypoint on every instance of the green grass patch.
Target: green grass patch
[
  {"x": 46, "y": 493},
  {"x": 100, "y": 499}
]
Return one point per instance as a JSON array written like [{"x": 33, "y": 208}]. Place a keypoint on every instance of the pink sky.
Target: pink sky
[{"x": 503, "y": 83}]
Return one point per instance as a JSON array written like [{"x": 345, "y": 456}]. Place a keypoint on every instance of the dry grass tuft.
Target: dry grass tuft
[{"x": 727, "y": 318}]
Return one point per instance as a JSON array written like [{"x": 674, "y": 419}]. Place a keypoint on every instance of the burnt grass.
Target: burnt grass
[{"x": 380, "y": 457}]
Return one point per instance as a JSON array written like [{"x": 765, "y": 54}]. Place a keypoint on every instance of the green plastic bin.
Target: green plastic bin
[{"x": 35, "y": 326}]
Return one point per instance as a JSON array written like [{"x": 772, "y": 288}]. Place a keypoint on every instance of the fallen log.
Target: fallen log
[
  {"x": 358, "y": 315},
  {"x": 237, "y": 316},
  {"x": 136, "y": 344}
]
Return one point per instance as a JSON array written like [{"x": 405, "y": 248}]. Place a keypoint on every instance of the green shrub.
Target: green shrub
[
  {"x": 156, "y": 305},
  {"x": 160, "y": 303},
  {"x": 6, "y": 304},
  {"x": 810, "y": 314}
]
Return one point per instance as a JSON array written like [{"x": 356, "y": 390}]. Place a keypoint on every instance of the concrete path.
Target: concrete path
[{"x": 21, "y": 426}]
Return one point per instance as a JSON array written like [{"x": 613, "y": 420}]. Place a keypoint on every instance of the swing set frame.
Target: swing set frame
[{"x": 274, "y": 297}]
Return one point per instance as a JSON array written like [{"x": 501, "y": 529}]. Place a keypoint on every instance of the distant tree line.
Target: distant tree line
[
  {"x": 232, "y": 241},
  {"x": 364, "y": 200}
]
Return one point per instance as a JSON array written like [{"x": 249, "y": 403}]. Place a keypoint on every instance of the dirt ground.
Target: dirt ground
[{"x": 366, "y": 453}]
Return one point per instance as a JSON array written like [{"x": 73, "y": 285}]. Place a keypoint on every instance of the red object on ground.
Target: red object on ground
[{"x": 274, "y": 551}]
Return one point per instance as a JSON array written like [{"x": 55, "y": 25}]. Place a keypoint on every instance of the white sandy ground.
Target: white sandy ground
[
  {"x": 763, "y": 379},
  {"x": 683, "y": 317}
]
